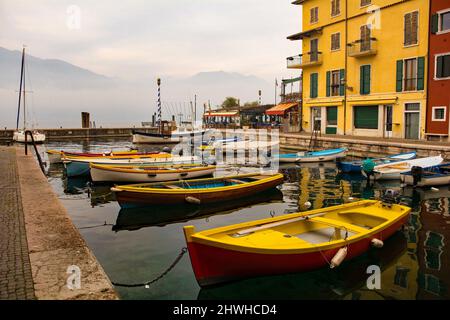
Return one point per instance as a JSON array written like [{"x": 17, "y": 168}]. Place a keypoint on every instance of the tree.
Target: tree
[
  {"x": 229, "y": 103},
  {"x": 251, "y": 104}
]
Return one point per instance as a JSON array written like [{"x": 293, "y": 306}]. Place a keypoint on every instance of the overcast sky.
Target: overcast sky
[{"x": 130, "y": 39}]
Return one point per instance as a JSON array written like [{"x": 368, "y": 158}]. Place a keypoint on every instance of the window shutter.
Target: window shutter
[
  {"x": 420, "y": 73},
  {"x": 399, "y": 82},
  {"x": 414, "y": 26},
  {"x": 367, "y": 79},
  {"x": 434, "y": 23},
  {"x": 439, "y": 65},
  {"x": 341, "y": 78},
  {"x": 407, "y": 29},
  {"x": 313, "y": 85},
  {"x": 328, "y": 83}
]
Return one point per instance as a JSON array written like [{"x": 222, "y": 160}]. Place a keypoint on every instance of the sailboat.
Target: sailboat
[{"x": 19, "y": 134}]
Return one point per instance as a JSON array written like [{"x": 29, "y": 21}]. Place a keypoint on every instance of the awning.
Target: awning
[
  {"x": 222, "y": 114},
  {"x": 281, "y": 109},
  {"x": 307, "y": 34}
]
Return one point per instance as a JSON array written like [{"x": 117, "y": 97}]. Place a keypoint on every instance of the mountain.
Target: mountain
[
  {"x": 47, "y": 73},
  {"x": 61, "y": 91}
]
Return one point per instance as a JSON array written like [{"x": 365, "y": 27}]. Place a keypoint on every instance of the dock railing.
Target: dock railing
[{"x": 41, "y": 163}]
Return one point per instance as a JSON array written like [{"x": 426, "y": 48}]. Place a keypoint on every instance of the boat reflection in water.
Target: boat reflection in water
[
  {"x": 137, "y": 218},
  {"x": 340, "y": 283}
]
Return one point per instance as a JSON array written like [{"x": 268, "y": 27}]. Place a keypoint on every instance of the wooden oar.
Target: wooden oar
[{"x": 276, "y": 224}]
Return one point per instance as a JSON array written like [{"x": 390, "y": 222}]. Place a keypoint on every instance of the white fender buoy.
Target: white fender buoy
[
  {"x": 377, "y": 243},
  {"x": 434, "y": 189},
  {"x": 193, "y": 200},
  {"x": 307, "y": 204},
  {"x": 338, "y": 257}
]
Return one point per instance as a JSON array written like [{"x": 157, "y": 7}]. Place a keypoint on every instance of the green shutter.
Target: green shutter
[
  {"x": 367, "y": 79},
  {"x": 420, "y": 73},
  {"x": 434, "y": 23},
  {"x": 341, "y": 85},
  {"x": 364, "y": 80},
  {"x": 399, "y": 82},
  {"x": 365, "y": 117},
  {"x": 313, "y": 85},
  {"x": 328, "y": 83}
]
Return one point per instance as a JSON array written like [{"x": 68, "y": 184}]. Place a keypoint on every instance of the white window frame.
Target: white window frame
[
  {"x": 412, "y": 111},
  {"x": 437, "y": 108},
  {"x": 439, "y": 13},
  {"x": 418, "y": 29},
  {"x": 331, "y": 44},
  {"x": 404, "y": 74},
  {"x": 435, "y": 66}
]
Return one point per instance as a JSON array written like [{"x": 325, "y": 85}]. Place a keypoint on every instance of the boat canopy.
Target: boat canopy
[
  {"x": 281, "y": 109},
  {"x": 222, "y": 114}
]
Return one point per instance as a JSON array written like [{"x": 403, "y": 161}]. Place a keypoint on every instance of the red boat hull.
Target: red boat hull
[{"x": 213, "y": 265}]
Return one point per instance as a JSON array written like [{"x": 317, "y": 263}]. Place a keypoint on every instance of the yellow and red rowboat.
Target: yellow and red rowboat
[
  {"x": 291, "y": 243},
  {"x": 197, "y": 191}
]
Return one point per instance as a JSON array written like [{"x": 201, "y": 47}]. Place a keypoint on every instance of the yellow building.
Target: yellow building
[{"x": 364, "y": 66}]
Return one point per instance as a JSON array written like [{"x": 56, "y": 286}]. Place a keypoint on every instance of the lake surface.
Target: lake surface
[{"x": 135, "y": 246}]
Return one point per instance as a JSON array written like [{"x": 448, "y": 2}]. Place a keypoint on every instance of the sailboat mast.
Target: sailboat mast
[
  {"x": 24, "y": 94},
  {"x": 20, "y": 88}
]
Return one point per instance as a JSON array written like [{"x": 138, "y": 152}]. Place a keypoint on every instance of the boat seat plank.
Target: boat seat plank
[{"x": 338, "y": 223}]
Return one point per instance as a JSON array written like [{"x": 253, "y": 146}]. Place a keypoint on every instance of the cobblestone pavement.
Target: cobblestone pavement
[{"x": 16, "y": 281}]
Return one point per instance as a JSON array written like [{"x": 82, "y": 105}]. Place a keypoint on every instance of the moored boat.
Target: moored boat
[
  {"x": 312, "y": 156},
  {"x": 77, "y": 166},
  {"x": 429, "y": 176},
  {"x": 166, "y": 138},
  {"x": 56, "y": 156},
  {"x": 356, "y": 166},
  {"x": 291, "y": 243},
  {"x": 238, "y": 145},
  {"x": 392, "y": 171},
  {"x": 198, "y": 191},
  {"x": 111, "y": 173}
]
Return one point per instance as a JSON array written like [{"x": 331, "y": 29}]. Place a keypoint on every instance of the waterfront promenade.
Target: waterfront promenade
[{"x": 38, "y": 241}]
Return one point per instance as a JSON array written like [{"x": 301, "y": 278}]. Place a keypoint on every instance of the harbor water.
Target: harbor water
[{"x": 137, "y": 245}]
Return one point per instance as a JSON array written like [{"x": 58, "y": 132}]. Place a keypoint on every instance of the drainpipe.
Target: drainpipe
[
  {"x": 427, "y": 74},
  {"x": 345, "y": 68}
]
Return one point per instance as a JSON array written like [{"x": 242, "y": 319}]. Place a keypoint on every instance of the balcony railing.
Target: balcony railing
[
  {"x": 304, "y": 60},
  {"x": 362, "y": 48}
]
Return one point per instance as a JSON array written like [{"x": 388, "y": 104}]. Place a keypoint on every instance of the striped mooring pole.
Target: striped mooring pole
[{"x": 158, "y": 81}]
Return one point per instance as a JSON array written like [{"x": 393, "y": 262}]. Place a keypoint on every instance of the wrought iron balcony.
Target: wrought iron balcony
[
  {"x": 304, "y": 60},
  {"x": 362, "y": 48}
]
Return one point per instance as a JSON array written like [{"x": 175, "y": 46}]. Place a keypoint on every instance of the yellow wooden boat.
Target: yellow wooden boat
[
  {"x": 112, "y": 173},
  {"x": 292, "y": 243}
]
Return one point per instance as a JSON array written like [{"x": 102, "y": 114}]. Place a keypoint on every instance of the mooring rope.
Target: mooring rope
[{"x": 146, "y": 284}]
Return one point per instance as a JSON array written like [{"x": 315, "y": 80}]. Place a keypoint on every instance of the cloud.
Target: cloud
[{"x": 131, "y": 39}]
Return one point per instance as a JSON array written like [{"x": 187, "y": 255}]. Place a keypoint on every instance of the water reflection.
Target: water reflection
[
  {"x": 137, "y": 218},
  {"x": 415, "y": 264}
]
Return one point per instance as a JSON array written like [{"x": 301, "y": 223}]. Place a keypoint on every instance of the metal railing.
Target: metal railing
[
  {"x": 362, "y": 47},
  {"x": 303, "y": 60},
  {"x": 41, "y": 163}
]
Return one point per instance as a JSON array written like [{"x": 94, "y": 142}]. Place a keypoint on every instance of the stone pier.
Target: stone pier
[{"x": 38, "y": 241}]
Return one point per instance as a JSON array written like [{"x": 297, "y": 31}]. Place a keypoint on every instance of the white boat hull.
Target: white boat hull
[
  {"x": 322, "y": 158},
  {"x": 100, "y": 175},
  {"x": 139, "y": 138},
  {"x": 392, "y": 171},
  {"x": 240, "y": 146},
  {"x": 19, "y": 136},
  {"x": 426, "y": 181}
]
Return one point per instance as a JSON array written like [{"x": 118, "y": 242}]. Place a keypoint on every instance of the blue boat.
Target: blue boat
[
  {"x": 312, "y": 156},
  {"x": 356, "y": 166}
]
